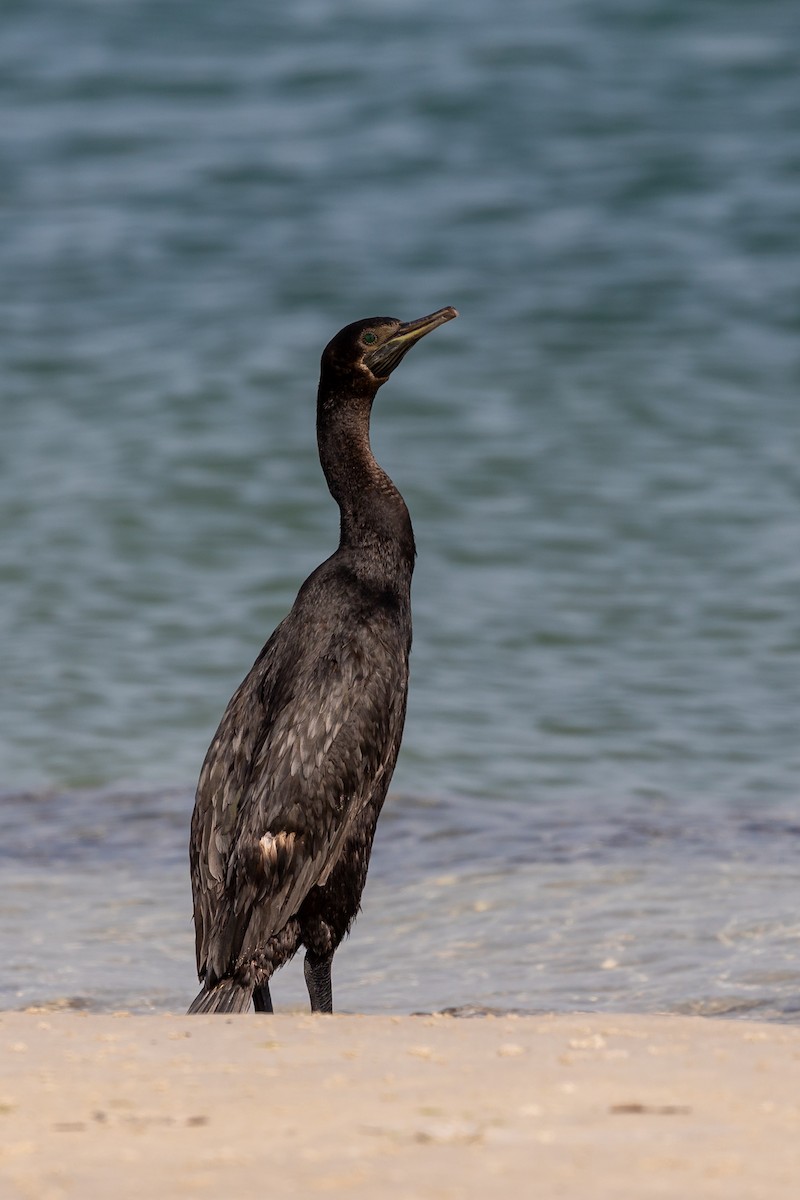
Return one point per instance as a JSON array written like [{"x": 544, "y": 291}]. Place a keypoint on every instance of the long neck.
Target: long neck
[{"x": 375, "y": 525}]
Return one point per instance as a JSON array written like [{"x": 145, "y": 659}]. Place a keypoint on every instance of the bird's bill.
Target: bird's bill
[{"x": 384, "y": 358}]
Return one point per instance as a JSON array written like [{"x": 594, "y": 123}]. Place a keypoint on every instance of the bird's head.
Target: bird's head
[{"x": 366, "y": 352}]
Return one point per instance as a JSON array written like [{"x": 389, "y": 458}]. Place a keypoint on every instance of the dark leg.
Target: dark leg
[
  {"x": 318, "y": 981},
  {"x": 262, "y": 999}
]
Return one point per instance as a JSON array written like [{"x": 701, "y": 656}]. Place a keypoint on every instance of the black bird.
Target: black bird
[{"x": 295, "y": 778}]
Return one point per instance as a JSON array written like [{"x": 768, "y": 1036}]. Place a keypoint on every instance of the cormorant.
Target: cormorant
[{"x": 294, "y": 780}]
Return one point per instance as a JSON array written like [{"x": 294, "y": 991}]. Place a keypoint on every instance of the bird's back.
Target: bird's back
[{"x": 307, "y": 742}]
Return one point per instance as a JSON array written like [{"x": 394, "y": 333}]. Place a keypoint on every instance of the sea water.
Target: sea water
[{"x": 596, "y": 804}]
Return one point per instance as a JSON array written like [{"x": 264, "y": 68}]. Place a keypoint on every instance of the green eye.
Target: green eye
[{"x": 369, "y": 339}]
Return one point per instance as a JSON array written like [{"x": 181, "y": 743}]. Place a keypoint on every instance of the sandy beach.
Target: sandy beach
[{"x": 294, "y": 1105}]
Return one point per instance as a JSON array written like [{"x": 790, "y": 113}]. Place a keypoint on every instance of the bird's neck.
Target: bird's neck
[{"x": 375, "y": 525}]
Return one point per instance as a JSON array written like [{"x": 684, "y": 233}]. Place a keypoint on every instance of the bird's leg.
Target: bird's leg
[
  {"x": 317, "y": 971},
  {"x": 261, "y": 998}
]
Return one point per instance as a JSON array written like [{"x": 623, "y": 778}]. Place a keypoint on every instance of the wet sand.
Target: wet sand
[{"x": 294, "y": 1106}]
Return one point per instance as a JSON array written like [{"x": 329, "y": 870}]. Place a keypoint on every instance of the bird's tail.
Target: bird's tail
[{"x": 226, "y": 996}]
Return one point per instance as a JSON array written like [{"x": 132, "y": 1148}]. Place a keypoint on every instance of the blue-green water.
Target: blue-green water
[{"x": 596, "y": 802}]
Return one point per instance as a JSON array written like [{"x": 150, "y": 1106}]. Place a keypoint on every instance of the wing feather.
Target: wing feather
[{"x": 296, "y": 757}]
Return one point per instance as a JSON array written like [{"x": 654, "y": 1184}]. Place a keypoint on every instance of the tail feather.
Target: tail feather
[{"x": 226, "y": 996}]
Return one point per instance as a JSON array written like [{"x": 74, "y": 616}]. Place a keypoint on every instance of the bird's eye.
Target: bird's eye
[{"x": 369, "y": 339}]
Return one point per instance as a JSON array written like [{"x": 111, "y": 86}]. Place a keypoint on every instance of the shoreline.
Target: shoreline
[{"x": 399, "y": 1106}]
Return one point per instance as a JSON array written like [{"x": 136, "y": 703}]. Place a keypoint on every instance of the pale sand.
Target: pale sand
[{"x": 588, "y": 1107}]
